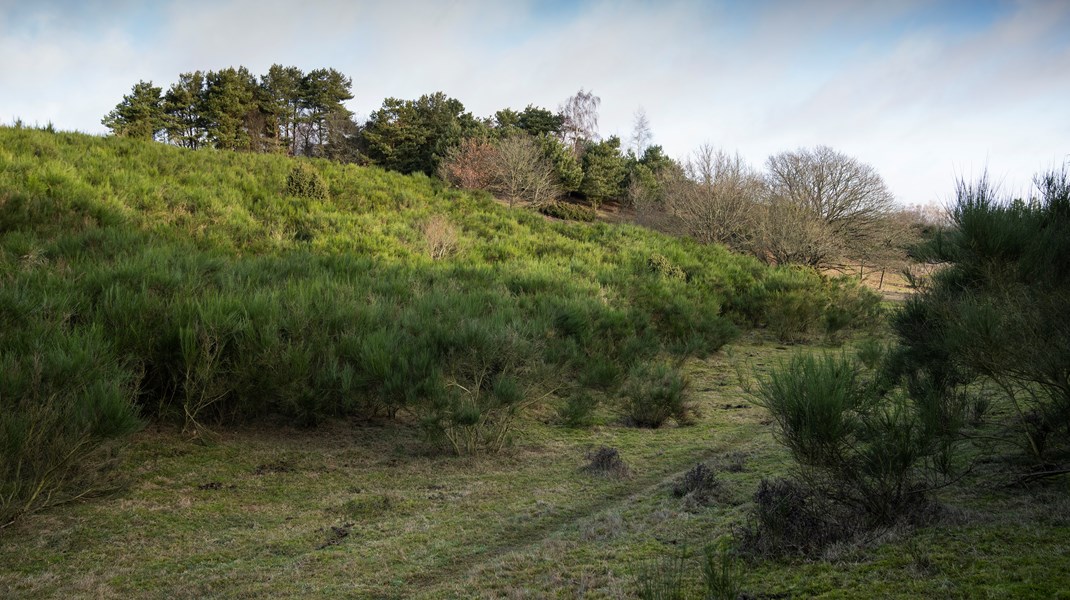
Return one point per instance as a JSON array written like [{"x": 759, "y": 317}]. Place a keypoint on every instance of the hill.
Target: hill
[{"x": 147, "y": 282}]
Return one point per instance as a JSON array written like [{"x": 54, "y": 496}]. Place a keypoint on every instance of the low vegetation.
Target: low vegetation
[
  {"x": 203, "y": 288},
  {"x": 350, "y": 382}
]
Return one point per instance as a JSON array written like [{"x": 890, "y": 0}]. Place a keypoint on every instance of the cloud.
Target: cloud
[{"x": 921, "y": 90}]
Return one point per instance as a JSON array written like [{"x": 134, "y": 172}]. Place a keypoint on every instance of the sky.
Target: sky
[{"x": 924, "y": 91}]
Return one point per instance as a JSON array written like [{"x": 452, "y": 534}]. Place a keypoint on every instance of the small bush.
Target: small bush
[
  {"x": 853, "y": 443},
  {"x": 660, "y": 265},
  {"x": 606, "y": 462},
  {"x": 655, "y": 393},
  {"x": 578, "y": 410},
  {"x": 788, "y": 518},
  {"x": 440, "y": 236},
  {"x": 62, "y": 398},
  {"x": 698, "y": 485},
  {"x": 568, "y": 211},
  {"x": 304, "y": 181}
]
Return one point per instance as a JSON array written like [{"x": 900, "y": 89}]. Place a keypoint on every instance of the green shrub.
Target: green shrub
[
  {"x": 851, "y": 443},
  {"x": 568, "y": 211},
  {"x": 305, "y": 181},
  {"x": 660, "y": 265},
  {"x": 62, "y": 398},
  {"x": 655, "y": 393},
  {"x": 578, "y": 410},
  {"x": 997, "y": 312}
]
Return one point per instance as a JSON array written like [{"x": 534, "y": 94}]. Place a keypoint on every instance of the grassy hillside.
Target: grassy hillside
[
  {"x": 141, "y": 281},
  {"x": 194, "y": 297}
]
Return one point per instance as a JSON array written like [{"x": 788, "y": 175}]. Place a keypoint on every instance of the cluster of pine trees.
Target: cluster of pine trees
[
  {"x": 304, "y": 114},
  {"x": 285, "y": 110}
]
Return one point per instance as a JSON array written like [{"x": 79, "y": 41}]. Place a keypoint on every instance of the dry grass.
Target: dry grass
[{"x": 362, "y": 510}]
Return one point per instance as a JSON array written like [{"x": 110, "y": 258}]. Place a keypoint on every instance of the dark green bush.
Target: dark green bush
[
  {"x": 62, "y": 398},
  {"x": 655, "y": 393},
  {"x": 578, "y": 409},
  {"x": 568, "y": 211},
  {"x": 997, "y": 312},
  {"x": 852, "y": 443},
  {"x": 305, "y": 181}
]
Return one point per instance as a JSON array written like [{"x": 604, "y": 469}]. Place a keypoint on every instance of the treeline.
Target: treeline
[{"x": 810, "y": 206}]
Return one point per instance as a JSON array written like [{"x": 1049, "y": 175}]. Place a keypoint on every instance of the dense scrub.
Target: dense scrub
[
  {"x": 980, "y": 373},
  {"x": 144, "y": 279}
]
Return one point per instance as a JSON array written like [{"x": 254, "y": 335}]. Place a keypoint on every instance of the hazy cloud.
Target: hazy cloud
[{"x": 921, "y": 90}]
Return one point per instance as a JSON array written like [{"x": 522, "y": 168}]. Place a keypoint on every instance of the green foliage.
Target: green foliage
[
  {"x": 63, "y": 395},
  {"x": 721, "y": 572},
  {"x": 568, "y": 211},
  {"x": 998, "y": 311},
  {"x": 567, "y": 167},
  {"x": 655, "y": 393},
  {"x": 305, "y": 181},
  {"x": 228, "y": 97},
  {"x": 795, "y": 307},
  {"x": 139, "y": 115},
  {"x": 209, "y": 296},
  {"x": 578, "y": 410},
  {"x": 853, "y": 444},
  {"x": 604, "y": 171},
  {"x": 413, "y": 136}
]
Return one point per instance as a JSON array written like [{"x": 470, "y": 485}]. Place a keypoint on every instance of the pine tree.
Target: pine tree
[{"x": 139, "y": 115}]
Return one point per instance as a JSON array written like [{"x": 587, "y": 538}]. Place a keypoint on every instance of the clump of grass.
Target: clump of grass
[
  {"x": 655, "y": 393},
  {"x": 722, "y": 573},
  {"x": 697, "y": 486},
  {"x": 440, "y": 236},
  {"x": 663, "y": 578},
  {"x": 606, "y": 462}
]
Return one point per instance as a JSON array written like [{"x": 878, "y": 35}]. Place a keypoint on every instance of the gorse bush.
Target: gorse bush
[
  {"x": 654, "y": 393},
  {"x": 852, "y": 443},
  {"x": 210, "y": 296},
  {"x": 792, "y": 308},
  {"x": 304, "y": 181},
  {"x": 998, "y": 311},
  {"x": 568, "y": 212},
  {"x": 62, "y": 397}
]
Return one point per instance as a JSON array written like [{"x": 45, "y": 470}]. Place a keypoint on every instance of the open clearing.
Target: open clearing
[{"x": 361, "y": 510}]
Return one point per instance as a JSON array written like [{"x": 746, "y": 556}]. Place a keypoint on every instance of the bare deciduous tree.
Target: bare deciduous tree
[
  {"x": 849, "y": 197},
  {"x": 581, "y": 119},
  {"x": 522, "y": 172},
  {"x": 641, "y": 134},
  {"x": 715, "y": 195},
  {"x": 470, "y": 165}
]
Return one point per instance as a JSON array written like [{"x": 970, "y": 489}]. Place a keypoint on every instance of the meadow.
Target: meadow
[{"x": 240, "y": 375}]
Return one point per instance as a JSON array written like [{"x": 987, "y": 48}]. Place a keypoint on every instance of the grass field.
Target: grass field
[
  {"x": 357, "y": 509},
  {"x": 273, "y": 376}
]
